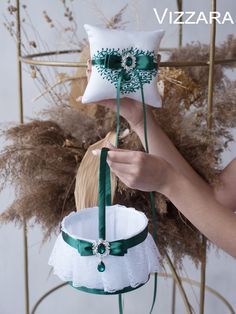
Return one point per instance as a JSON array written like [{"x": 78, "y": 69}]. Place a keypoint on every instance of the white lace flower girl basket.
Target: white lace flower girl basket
[{"x": 105, "y": 249}]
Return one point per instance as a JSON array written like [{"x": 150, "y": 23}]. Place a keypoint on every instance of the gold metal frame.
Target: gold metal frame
[
  {"x": 32, "y": 60},
  {"x": 37, "y": 59},
  {"x": 163, "y": 275}
]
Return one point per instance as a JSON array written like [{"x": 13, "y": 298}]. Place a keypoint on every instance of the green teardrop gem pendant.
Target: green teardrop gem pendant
[
  {"x": 101, "y": 248},
  {"x": 101, "y": 267}
]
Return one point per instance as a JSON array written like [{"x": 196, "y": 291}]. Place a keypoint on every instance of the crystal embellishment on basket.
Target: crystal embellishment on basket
[{"x": 101, "y": 248}]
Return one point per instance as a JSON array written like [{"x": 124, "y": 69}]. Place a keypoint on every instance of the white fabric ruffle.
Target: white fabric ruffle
[{"x": 132, "y": 269}]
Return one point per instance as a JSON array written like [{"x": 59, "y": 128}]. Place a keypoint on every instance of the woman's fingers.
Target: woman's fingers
[
  {"x": 115, "y": 149},
  {"x": 126, "y": 179},
  {"x": 137, "y": 170},
  {"x": 89, "y": 69},
  {"x": 108, "y": 103},
  {"x": 130, "y": 180},
  {"x": 125, "y": 156},
  {"x": 89, "y": 64},
  {"x": 117, "y": 155},
  {"x": 124, "y": 169},
  {"x": 122, "y": 156},
  {"x": 88, "y": 74}
]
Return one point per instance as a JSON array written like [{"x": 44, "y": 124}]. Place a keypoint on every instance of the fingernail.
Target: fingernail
[
  {"x": 79, "y": 99},
  {"x": 96, "y": 152},
  {"x": 125, "y": 133}
]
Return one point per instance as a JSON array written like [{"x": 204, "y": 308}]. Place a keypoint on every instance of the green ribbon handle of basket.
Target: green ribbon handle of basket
[
  {"x": 104, "y": 177},
  {"x": 151, "y": 194},
  {"x": 104, "y": 192}
]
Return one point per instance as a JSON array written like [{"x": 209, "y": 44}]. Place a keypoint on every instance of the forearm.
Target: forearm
[
  {"x": 225, "y": 191},
  {"x": 201, "y": 208},
  {"x": 161, "y": 146}
]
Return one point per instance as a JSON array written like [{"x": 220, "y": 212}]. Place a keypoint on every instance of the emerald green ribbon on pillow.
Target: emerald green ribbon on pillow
[
  {"x": 131, "y": 65},
  {"x": 114, "y": 62}
]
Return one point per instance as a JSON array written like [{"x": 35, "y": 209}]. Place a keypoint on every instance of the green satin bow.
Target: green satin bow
[
  {"x": 117, "y": 248},
  {"x": 114, "y": 62}
]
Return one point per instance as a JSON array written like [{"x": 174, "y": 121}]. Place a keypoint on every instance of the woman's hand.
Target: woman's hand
[
  {"x": 139, "y": 170},
  {"x": 130, "y": 109},
  {"x": 196, "y": 202}
]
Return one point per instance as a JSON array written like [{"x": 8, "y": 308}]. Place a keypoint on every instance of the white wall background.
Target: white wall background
[{"x": 221, "y": 270}]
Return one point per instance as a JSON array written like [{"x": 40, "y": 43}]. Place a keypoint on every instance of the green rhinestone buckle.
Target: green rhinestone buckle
[
  {"x": 101, "y": 248},
  {"x": 128, "y": 61}
]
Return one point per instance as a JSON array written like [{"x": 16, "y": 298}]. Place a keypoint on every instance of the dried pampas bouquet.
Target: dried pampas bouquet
[{"x": 43, "y": 159}]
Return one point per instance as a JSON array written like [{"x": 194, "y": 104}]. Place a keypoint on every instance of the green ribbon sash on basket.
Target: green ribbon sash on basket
[{"x": 117, "y": 248}]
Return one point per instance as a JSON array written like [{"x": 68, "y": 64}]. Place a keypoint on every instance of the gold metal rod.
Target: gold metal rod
[
  {"x": 209, "y": 125},
  {"x": 211, "y": 67},
  {"x": 55, "y": 52},
  {"x": 162, "y": 64},
  {"x": 196, "y": 283},
  {"x": 53, "y": 63},
  {"x": 203, "y": 276},
  {"x": 179, "y": 284},
  {"x": 32, "y": 59},
  {"x": 26, "y": 268},
  {"x": 163, "y": 275},
  {"x": 21, "y": 119},
  {"x": 19, "y": 65},
  {"x": 195, "y": 63},
  {"x": 180, "y": 9},
  {"x": 173, "y": 297},
  {"x": 46, "y": 295}
]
